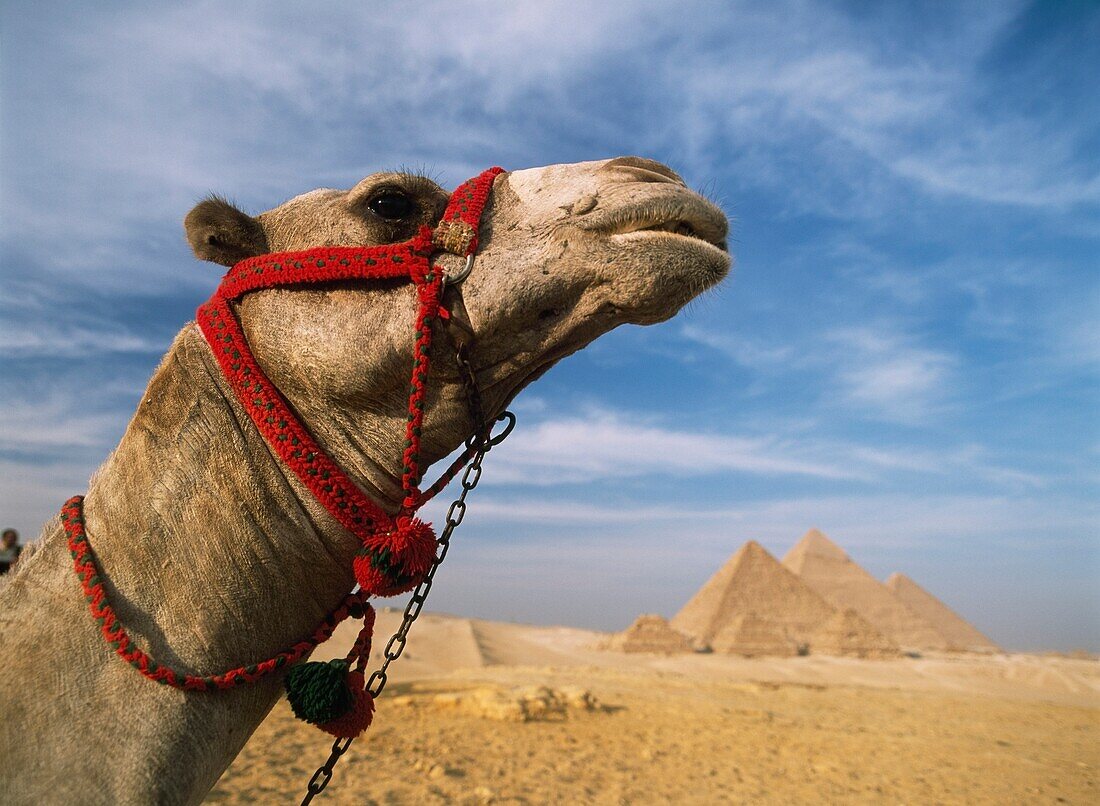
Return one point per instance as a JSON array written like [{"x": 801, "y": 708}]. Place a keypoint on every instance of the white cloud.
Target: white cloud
[
  {"x": 1077, "y": 339},
  {"x": 600, "y": 447},
  {"x": 886, "y": 375},
  {"x": 873, "y": 521},
  {"x": 968, "y": 461},
  {"x": 919, "y": 122},
  {"x": 918, "y": 113},
  {"x": 878, "y": 370},
  {"x": 61, "y": 340},
  {"x": 56, "y": 421},
  {"x": 606, "y": 446},
  {"x": 745, "y": 350}
]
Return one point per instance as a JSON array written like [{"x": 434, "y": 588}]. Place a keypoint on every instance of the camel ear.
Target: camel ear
[{"x": 220, "y": 233}]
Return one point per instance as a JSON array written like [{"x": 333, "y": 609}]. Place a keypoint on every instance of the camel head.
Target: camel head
[{"x": 567, "y": 253}]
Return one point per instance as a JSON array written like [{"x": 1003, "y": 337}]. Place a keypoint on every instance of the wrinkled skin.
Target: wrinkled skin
[{"x": 213, "y": 555}]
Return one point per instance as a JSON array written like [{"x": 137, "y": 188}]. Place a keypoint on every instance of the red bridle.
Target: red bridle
[{"x": 396, "y": 550}]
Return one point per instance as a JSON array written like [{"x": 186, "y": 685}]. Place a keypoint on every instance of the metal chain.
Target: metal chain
[{"x": 482, "y": 441}]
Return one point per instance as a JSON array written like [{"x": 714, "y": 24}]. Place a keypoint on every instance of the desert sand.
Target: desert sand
[{"x": 487, "y": 712}]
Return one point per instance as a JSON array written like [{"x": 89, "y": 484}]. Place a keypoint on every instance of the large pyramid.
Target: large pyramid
[
  {"x": 650, "y": 633},
  {"x": 752, "y": 635},
  {"x": 753, "y": 581},
  {"x": 825, "y": 568},
  {"x": 848, "y": 633},
  {"x": 958, "y": 632}
]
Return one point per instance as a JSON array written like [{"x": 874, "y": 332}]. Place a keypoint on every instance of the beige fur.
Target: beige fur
[{"x": 212, "y": 555}]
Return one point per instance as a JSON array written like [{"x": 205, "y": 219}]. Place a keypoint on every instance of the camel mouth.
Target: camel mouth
[
  {"x": 679, "y": 214},
  {"x": 678, "y": 228},
  {"x": 677, "y": 233}
]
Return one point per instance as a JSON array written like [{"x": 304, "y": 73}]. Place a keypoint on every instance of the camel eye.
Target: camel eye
[{"x": 391, "y": 205}]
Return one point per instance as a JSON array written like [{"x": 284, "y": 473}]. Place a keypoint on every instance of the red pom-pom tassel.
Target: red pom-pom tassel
[
  {"x": 394, "y": 562},
  {"x": 359, "y": 716}
]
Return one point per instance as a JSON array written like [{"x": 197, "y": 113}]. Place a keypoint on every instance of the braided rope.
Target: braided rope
[
  {"x": 318, "y": 265},
  {"x": 281, "y": 429},
  {"x": 87, "y": 569},
  {"x": 429, "y": 308}
]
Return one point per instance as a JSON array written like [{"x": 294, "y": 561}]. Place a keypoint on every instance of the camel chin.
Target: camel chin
[{"x": 666, "y": 271}]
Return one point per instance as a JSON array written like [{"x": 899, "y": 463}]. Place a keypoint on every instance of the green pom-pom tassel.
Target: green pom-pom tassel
[{"x": 318, "y": 692}]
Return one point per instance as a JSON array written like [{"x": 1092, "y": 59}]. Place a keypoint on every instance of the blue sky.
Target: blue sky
[{"x": 906, "y": 354}]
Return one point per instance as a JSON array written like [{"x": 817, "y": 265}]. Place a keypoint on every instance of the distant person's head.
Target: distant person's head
[{"x": 10, "y": 538}]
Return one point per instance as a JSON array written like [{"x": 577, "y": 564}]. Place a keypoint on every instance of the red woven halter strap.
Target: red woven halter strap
[
  {"x": 87, "y": 569},
  {"x": 456, "y": 232}
]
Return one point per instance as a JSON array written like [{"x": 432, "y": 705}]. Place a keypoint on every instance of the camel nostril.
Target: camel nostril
[
  {"x": 585, "y": 204},
  {"x": 684, "y": 228}
]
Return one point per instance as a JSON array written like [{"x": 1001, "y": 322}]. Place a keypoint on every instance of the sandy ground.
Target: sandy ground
[{"x": 689, "y": 729}]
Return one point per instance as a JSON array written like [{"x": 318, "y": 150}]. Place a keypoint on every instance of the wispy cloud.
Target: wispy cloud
[
  {"x": 55, "y": 422},
  {"x": 601, "y": 447},
  {"x": 968, "y": 461},
  {"x": 874, "y": 522},
  {"x": 922, "y": 114},
  {"x": 889, "y": 377},
  {"x": 606, "y": 446},
  {"x": 878, "y": 370},
  {"x": 745, "y": 350},
  {"x": 74, "y": 342}
]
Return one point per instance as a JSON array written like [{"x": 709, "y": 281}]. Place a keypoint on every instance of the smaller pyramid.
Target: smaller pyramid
[
  {"x": 848, "y": 633},
  {"x": 824, "y": 567},
  {"x": 752, "y": 636},
  {"x": 650, "y": 633},
  {"x": 958, "y": 631}
]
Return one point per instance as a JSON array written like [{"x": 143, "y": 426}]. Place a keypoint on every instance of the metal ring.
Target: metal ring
[
  {"x": 462, "y": 274},
  {"x": 510, "y": 423}
]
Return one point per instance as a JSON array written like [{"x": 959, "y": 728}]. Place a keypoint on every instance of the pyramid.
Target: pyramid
[
  {"x": 848, "y": 633},
  {"x": 825, "y": 568},
  {"x": 958, "y": 632},
  {"x": 650, "y": 633},
  {"x": 752, "y": 635},
  {"x": 753, "y": 581}
]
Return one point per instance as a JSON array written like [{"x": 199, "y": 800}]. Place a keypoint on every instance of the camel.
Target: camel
[{"x": 213, "y": 554}]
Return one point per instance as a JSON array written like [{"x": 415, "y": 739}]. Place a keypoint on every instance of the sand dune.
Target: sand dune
[
  {"x": 694, "y": 728},
  {"x": 441, "y": 643}
]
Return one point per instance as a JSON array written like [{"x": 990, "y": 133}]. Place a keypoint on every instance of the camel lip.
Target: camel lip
[
  {"x": 659, "y": 234},
  {"x": 672, "y": 212}
]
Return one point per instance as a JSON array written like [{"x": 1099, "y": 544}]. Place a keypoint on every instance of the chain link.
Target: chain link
[{"x": 483, "y": 441}]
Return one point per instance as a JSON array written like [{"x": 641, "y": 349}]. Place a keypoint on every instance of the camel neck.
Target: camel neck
[{"x": 228, "y": 540}]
